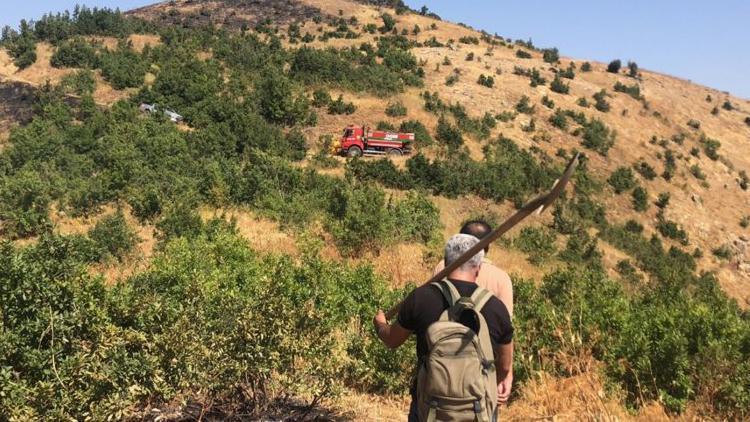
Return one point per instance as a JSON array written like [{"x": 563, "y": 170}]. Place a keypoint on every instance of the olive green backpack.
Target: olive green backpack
[{"x": 456, "y": 380}]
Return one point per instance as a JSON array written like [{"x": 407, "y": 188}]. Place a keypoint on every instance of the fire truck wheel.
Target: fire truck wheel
[
  {"x": 395, "y": 152},
  {"x": 354, "y": 151}
]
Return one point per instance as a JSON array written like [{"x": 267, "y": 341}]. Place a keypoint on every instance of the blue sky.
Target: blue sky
[{"x": 706, "y": 42}]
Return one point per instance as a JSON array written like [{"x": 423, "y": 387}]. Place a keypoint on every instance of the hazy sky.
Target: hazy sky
[{"x": 707, "y": 42}]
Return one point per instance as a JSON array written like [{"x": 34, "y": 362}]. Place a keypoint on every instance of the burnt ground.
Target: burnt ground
[
  {"x": 234, "y": 14},
  {"x": 16, "y": 105}
]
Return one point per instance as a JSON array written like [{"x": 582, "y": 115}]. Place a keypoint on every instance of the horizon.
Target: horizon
[{"x": 706, "y": 55}]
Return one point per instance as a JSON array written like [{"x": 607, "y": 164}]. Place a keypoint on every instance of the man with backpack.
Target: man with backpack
[{"x": 464, "y": 342}]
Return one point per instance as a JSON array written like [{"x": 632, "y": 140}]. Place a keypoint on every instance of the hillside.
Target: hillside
[{"x": 130, "y": 237}]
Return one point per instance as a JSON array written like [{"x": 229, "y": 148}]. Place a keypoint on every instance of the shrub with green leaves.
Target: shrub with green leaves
[
  {"x": 421, "y": 134},
  {"x": 598, "y": 137},
  {"x": 550, "y": 55},
  {"x": 395, "y": 109},
  {"x": 622, "y": 179},
  {"x": 600, "y": 101},
  {"x": 538, "y": 243},
  {"x": 559, "y": 86},
  {"x": 524, "y": 105},
  {"x": 614, "y": 66},
  {"x": 74, "y": 53},
  {"x": 487, "y": 81},
  {"x": 123, "y": 68},
  {"x": 632, "y": 90},
  {"x": 523, "y": 54},
  {"x": 340, "y": 107},
  {"x": 113, "y": 236},
  {"x": 447, "y": 134},
  {"x": 640, "y": 199},
  {"x": 586, "y": 67}
]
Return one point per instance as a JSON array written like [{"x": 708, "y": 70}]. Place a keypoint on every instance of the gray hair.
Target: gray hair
[{"x": 457, "y": 246}]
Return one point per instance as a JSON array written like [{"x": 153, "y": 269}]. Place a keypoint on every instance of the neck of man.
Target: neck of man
[{"x": 461, "y": 275}]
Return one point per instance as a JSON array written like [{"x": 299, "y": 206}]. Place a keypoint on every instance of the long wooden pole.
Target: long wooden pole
[{"x": 540, "y": 203}]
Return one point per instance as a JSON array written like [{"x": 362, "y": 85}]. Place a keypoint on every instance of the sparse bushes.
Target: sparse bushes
[
  {"x": 340, "y": 107},
  {"x": 547, "y": 102},
  {"x": 395, "y": 109},
  {"x": 559, "y": 86},
  {"x": 622, "y": 180},
  {"x": 614, "y": 66},
  {"x": 74, "y": 53},
  {"x": 633, "y": 90},
  {"x": 447, "y": 134},
  {"x": 695, "y": 124},
  {"x": 113, "y": 236},
  {"x": 523, "y": 54},
  {"x": 727, "y": 105},
  {"x": 600, "y": 101},
  {"x": 671, "y": 230},
  {"x": 550, "y": 55},
  {"x": 524, "y": 105},
  {"x": 645, "y": 170},
  {"x": 123, "y": 68},
  {"x": 598, "y": 137},
  {"x": 586, "y": 67},
  {"x": 321, "y": 98},
  {"x": 388, "y": 23},
  {"x": 744, "y": 180},
  {"x": 469, "y": 40},
  {"x": 487, "y": 81},
  {"x": 279, "y": 103},
  {"x": 536, "y": 78},
  {"x": 633, "y": 69},
  {"x": 538, "y": 243},
  {"x": 663, "y": 200},
  {"x": 559, "y": 119},
  {"x": 421, "y": 134},
  {"x": 640, "y": 199},
  {"x": 710, "y": 147}
]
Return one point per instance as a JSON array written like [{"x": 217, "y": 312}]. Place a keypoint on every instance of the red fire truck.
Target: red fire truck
[{"x": 359, "y": 140}]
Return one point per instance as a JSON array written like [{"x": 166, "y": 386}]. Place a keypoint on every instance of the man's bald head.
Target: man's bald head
[{"x": 478, "y": 229}]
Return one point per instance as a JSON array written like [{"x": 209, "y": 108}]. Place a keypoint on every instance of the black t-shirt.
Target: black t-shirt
[{"x": 424, "y": 305}]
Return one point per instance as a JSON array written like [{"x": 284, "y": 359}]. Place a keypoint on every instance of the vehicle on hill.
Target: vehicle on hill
[
  {"x": 153, "y": 108},
  {"x": 360, "y": 140}
]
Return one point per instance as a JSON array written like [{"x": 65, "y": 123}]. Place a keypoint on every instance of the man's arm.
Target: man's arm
[
  {"x": 504, "y": 370},
  {"x": 393, "y": 335}
]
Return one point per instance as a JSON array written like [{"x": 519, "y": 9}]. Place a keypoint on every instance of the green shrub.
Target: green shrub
[
  {"x": 744, "y": 180},
  {"x": 470, "y": 56},
  {"x": 622, "y": 180},
  {"x": 550, "y": 55},
  {"x": 321, "y": 98},
  {"x": 747, "y": 121},
  {"x": 24, "y": 204},
  {"x": 448, "y": 135},
  {"x": 727, "y": 105},
  {"x": 586, "y": 67},
  {"x": 640, "y": 199},
  {"x": 598, "y": 137},
  {"x": 600, "y": 101},
  {"x": 569, "y": 72},
  {"x": 547, "y": 102},
  {"x": 536, "y": 78},
  {"x": 417, "y": 219},
  {"x": 81, "y": 82},
  {"x": 395, "y": 109},
  {"x": 383, "y": 125},
  {"x": 614, "y": 66},
  {"x": 123, "y": 68},
  {"x": 469, "y": 40},
  {"x": 524, "y": 105},
  {"x": 710, "y": 147},
  {"x": 663, "y": 200},
  {"x": 487, "y": 81},
  {"x": 74, "y": 53},
  {"x": 633, "y": 90},
  {"x": 341, "y": 107},
  {"x": 451, "y": 79},
  {"x": 723, "y": 252},
  {"x": 181, "y": 220},
  {"x": 421, "y": 134},
  {"x": 537, "y": 243},
  {"x": 694, "y": 124},
  {"x": 583, "y": 102},
  {"x": 279, "y": 103},
  {"x": 559, "y": 86},
  {"x": 696, "y": 171},
  {"x": 113, "y": 236},
  {"x": 671, "y": 230},
  {"x": 633, "y": 69},
  {"x": 522, "y": 54},
  {"x": 644, "y": 169},
  {"x": 559, "y": 119},
  {"x": 388, "y": 23}
]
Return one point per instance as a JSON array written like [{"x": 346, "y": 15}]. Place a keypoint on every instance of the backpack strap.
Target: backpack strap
[
  {"x": 480, "y": 297},
  {"x": 448, "y": 290}
]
